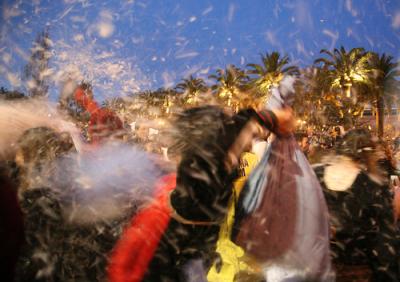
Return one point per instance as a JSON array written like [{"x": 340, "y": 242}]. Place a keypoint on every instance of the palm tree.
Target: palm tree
[
  {"x": 190, "y": 87},
  {"x": 311, "y": 95},
  {"x": 384, "y": 85},
  {"x": 315, "y": 103},
  {"x": 346, "y": 69},
  {"x": 270, "y": 72},
  {"x": 228, "y": 85}
]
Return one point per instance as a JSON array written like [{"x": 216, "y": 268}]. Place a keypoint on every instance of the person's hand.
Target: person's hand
[{"x": 286, "y": 122}]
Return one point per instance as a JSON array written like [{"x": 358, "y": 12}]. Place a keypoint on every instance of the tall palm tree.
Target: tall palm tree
[
  {"x": 384, "y": 85},
  {"x": 190, "y": 87},
  {"x": 311, "y": 93},
  {"x": 346, "y": 69},
  {"x": 228, "y": 85},
  {"x": 270, "y": 72}
]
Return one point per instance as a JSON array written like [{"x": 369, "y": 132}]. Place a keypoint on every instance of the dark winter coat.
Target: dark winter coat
[
  {"x": 362, "y": 221},
  {"x": 186, "y": 221}
]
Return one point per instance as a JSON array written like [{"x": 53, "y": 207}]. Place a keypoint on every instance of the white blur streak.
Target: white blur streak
[
  {"x": 396, "y": 20},
  {"x": 350, "y": 8},
  {"x": 303, "y": 15},
  {"x": 333, "y": 35},
  {"x": 108, "y": 182},
  {"x": 79, "y": 37},
  {"x": 168, "y": 79},
  {"x": 301, "y": 49},
  {"x": 207, "y": 10},
  {"x": 84, "y": 61},
  {"x": 10, "y": 12},
  {"x": 231, "y": 12},
  {"x": 191, "y": 70},
  {"x": 66, "y": 12},
  {"x": 99, "y": 183},
  {"x": 276, "y": 273},
  {"x": 270, "y": 37},
  {"x": 18, "y": 116},
  {"x": 13, "y": 79},
  {"x": 186, "y": 55},
  {"x": 105, "y": 27}
]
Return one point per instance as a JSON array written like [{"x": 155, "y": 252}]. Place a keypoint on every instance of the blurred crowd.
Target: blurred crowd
[{"x": 43, "y": 239}]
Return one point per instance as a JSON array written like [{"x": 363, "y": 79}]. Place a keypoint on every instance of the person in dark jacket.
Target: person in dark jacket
[
  {"x": 365, "y": 240},
  {"x": 187, "y": 211},
  {"x": 41, "y": 255},
  {"x": 57, "y": 249}
]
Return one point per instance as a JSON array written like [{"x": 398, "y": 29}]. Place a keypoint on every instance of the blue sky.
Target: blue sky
[{"x": 123, "y": 46}]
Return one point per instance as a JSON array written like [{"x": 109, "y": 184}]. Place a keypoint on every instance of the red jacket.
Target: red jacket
[
  {"x": 134, "y": 251},
  {"x": 103, "y": 122}
]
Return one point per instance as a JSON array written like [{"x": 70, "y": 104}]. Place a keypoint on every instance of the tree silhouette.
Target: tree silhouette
[
  {"x": 229, "y": 84},
  {"x": 346, "y": 70},
  {"x": 270, "y": 72},
  {"x": 189, "y": 89},
  {"x": 37, "y": 71},
  {"x": 384, "y": 86}
]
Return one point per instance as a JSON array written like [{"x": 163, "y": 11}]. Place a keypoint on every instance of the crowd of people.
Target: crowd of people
[{"x": 183, "y": 232}]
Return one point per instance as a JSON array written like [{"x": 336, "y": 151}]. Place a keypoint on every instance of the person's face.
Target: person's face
[{"x": 244, "y": 141}]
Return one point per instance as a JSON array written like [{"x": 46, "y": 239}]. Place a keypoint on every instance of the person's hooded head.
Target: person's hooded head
[{"x": 207, "y": 132}]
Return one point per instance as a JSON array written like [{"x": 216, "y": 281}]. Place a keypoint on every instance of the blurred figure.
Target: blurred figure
[
  {"x": 174, "y": 238},
  {"x": 281, "y": 218},
  {"x": 37, "y": 150},
  {"x": 141, "y": 137},
  {"x": 103, "y": 123},
  {"x": 385, "y": 159},
  {"x": 365, "y": 239},
  {"x": 320, "y": 149},
  {"x": 337, "y": 134},
  {"x": 59, "y": 247}
]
